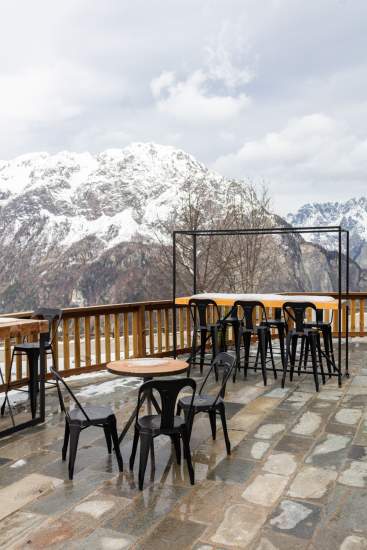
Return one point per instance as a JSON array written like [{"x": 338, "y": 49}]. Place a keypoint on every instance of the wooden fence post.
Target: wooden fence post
[{"x": 142, "y": 351}]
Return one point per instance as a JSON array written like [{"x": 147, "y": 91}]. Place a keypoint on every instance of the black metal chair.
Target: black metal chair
[
  {"x": 167, "y": 423},
  {"x": 200, "y": 310},
  {"x": 211, "y": 404},
  {"x": 295, "y": 316},
  {"x": 245, "y": 329},
  {"x": 279, "y": 324},
  {"x": 32, "y": 351},
  {"x": 79, "y": 418}
]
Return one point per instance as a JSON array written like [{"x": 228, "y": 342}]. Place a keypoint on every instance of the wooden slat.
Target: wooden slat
[
  {"x": 159, "y": 329},
  {"x": 326, "y": 315},
  {"x": 166, "y": 329},
  {"x": 55, "y": 344},
  {"x": 116, "y": 324},
  {"x": 107, "y": 337},
  {"x": 65, "y": 336},
  {"x": 76, "y": 343},
  {"x": 135, "y": 327},
  {"x": 19, "y": 369},
  {"x": 361, "y": 317},
  {"x": 97, "y": 338},
  {"x": 181, "y": 327},
  {"x": 87, "y": 343},
  {"x": 188, "y": 327},
  {"x": 7, "y": 356},
  {"x": 352, "y": 326},
  {"x": 344, "y": 319},
  {"x": 141, "y": 333},
  {"x": 151, "y": 332},
  {"x": 335, "y": 322},
  {"x": 126, "y": 336}
]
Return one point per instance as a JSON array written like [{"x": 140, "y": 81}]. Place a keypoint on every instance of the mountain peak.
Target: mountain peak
[{"x": 350, "y": 214}]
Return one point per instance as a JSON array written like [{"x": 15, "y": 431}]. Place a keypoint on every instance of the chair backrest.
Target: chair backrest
[
  {"x": 248, "y": 309},
  {"x": 50, "y": 315},
  {"x": 60, "y": 381},
  {"x": 296, "y": 312},
  {"x": 223, "y": 360},
  {"x": 168, "y": 391},
  {"x": 200, "y": 309}
]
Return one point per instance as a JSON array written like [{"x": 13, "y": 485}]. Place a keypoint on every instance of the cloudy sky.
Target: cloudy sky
[{"x": 271, "y": 90}]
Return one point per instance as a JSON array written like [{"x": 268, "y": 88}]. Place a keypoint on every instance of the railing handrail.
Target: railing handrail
[{"x": 71, "y": 312}]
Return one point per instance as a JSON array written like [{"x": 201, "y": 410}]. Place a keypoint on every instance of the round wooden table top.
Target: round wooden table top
[{"x": 148, "y": 367}]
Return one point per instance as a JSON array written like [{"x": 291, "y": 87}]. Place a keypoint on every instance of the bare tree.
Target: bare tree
[{"x": 225, "y": 263}]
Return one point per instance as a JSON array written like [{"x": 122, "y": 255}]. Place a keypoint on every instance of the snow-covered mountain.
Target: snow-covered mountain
[
  {"x": 351, "y": 215},
  {"x": 61, "y": 214},
  {"x": 82, "y": 229},
  {"x": 111, "y": 196}
]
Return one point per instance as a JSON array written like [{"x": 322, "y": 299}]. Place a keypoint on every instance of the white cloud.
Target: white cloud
[
  {"x": 212, "y": 78},
  {"x": 163, "y": 81},
  {"x": 190, "y": 100},
  {"x": 311, "y": 155}
]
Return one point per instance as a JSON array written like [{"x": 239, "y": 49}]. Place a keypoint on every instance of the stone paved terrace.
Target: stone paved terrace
[{"x": 296, "y": 478}]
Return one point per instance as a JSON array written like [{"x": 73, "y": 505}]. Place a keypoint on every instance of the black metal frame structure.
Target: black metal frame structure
[{"x": 271, "y": 231}]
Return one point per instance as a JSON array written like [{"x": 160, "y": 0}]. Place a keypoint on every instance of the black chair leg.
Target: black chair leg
[
  {"x": 213, "y": 423},
  {"x": 237, "y": 342},
  {"x": 293, "y": 355},
  {"x": 214, "y": 339},
  {"x": 319, "y": 352},
  {"x": 66, "y": 440},
  {"x": 301, "y": 355},
  {"x": 177, "y": 445},
  {"x": 145, "y": 443},
  {"x": 225, "y": 430},
  {"x": 107, "y": 434},
  {"x": 133, "y": 450},
  {"x": 203, "y": 340},
  {"x": 307, "y": 350},
  {"x": 247, "y": 345},
  {"x": 269, "y": 343},
  {"x": 326, "y": 339},
  {"x": 262, "y": 346},
  {"x": 115, "y": 440},
  {"x": 74, "y": 439},
  {"x": 187, "y": 453},
  {"x": 312, "y": 340},
  {"x": 281, "y": 343},
  {"x": 331, "y": 345},
  {"x": 287, "y": 354}
]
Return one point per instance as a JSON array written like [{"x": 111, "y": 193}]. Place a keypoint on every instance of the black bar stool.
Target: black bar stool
[
  {"x": 32, "y": 351},
  {"x": 205, "y": 330},
  {"x": 297, "y": 329}
]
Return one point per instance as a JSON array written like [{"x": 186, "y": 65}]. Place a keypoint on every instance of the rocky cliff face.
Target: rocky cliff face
[
  {"x": 351, "y": 215},
  {"x": 79, "y": 229}
]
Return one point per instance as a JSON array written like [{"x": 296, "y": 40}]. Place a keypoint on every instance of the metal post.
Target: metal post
[
  {"x": 194, "y": 259},
  {"x": 339, "y": 305},
  {"x": 174, "y": 296},
  {"x": 42, "y": 360},
  {"x": 347, "y": 327}
]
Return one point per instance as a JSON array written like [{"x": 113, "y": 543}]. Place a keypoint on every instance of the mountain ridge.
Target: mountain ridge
[
  {"x": 350, "y": 214},
  {"x": 77, "y": 228}
]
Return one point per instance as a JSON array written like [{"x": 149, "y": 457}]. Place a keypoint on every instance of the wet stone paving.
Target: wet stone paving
[{"x": 296, "y": 478}]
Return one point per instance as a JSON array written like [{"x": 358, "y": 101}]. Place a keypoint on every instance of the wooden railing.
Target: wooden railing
[{"x": 90, "y": 337}]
